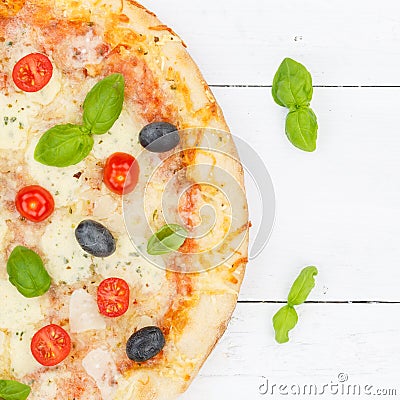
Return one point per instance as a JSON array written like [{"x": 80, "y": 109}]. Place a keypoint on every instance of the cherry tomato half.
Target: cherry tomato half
[
  {"x": 50, "y": 345},
  {"x": 121, "y": 173},
  {"x": 113, "y": 297},
  {"x": 32, "y": 72},
  {"x": 34, "y": 203}
]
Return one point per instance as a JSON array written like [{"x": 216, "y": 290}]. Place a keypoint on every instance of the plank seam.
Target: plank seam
[
  {"x": 315, "y": 86},
  {"x": 320, "y": 302}
]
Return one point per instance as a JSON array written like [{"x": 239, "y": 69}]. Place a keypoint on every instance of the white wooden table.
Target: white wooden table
[{"x": 338, "y": 209}]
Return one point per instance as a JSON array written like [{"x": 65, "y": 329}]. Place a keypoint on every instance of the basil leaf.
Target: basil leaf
[
  {"x": 302, "y": 129},
  {"x": 27, "y": 273},
  {"x": 292, "y": 86},
  {"x": 168, "y": 239},
  {"x": 63, "y": 145},
  {"x": 284, "y": 321},
  {"x": 13, "y": 390},
  {"x": 286, "y": 318},
  {"x": 103, "y": 104},
  {"x": 302, "y": 286}
]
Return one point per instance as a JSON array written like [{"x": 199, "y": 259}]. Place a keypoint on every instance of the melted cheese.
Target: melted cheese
[
  {"x": 48, "y": 384},
  {"x": 101, "y": 367},
  {"x": 72, "y": 10},
  {"x": 142, "y": 322},
  {"x": 22, "y": 361},
  {"x": 15, "y": 115},
  {"x": 123, "y": 137},
  {"x": 62, "y": 182},
  {"x": 18, "y": 48},
  {"x": 66, "y": 261},
  {"x": 83, "y": 313},
  {"x": 16, "y": 310},
  {"x": 126, "y": 264},
  {"x": 106, "y": 209},
  {"x": 2, "y": 341},
  {"x": 19, "y": 110},
  {"x": 46, "y": 95},
  {"x": 18, "y": 317},
  {"x": 59, "y": 181},
  {"x": 104, "y": 206},
  {"x": 3, "y": 232},
  {"x": 84, "y": 51}
]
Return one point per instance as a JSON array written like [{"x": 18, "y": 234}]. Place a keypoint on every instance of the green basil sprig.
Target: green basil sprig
[
  {"x": 13, "y": 390},
  {"x": 65, "y": 145},
  {"x": 286, "y": 318},
  {"x": 168, "y": 239},
  {"x": 27, "y": 273},
  {"x": 292, "y": 88}
]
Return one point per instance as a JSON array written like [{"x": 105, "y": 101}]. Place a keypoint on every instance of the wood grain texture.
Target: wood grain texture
[
  {"x": 338, "y": 208},
  {"x": 358, "y": 340},
  {"x": 243, "y": 42}
]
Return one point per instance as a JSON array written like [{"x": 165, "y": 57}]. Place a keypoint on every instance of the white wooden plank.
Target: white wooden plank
[
  {"x": 338, "y": 208},
  {"x": 242, "y": 42},
  {"x": 360, "y": 341}
]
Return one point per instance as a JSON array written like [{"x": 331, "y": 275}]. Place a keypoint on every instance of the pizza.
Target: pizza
[{"x": 124, "y": 224}]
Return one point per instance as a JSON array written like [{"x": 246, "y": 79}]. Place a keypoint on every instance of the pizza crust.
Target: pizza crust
[{"x": 208, "y": 319}]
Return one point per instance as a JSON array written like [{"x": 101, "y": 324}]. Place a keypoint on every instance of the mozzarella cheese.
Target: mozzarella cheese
[
  {"x": 19, "y": 110},
  {"x": 48, "y": 385},
  {"x": 83, "y": 313},
  {"x": 142, "y": 322},
  {"x": 2, "y": 341},
  {"x": 127, "y": 264},
  {"x": 22, "y": 361},
  {"x": 18, "y": 317},
  {"x": 45, "y": 96},
  {"x": 101, "y": 367},
  {"x": 16, "y": 112},
  {"x": 3, "y": 231},
  {"x": 16, "y": 310},
  {"x": 66, "y": 261},
  {"x": 122, "y": 137},
  {"x": 59, "y": 181}
]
